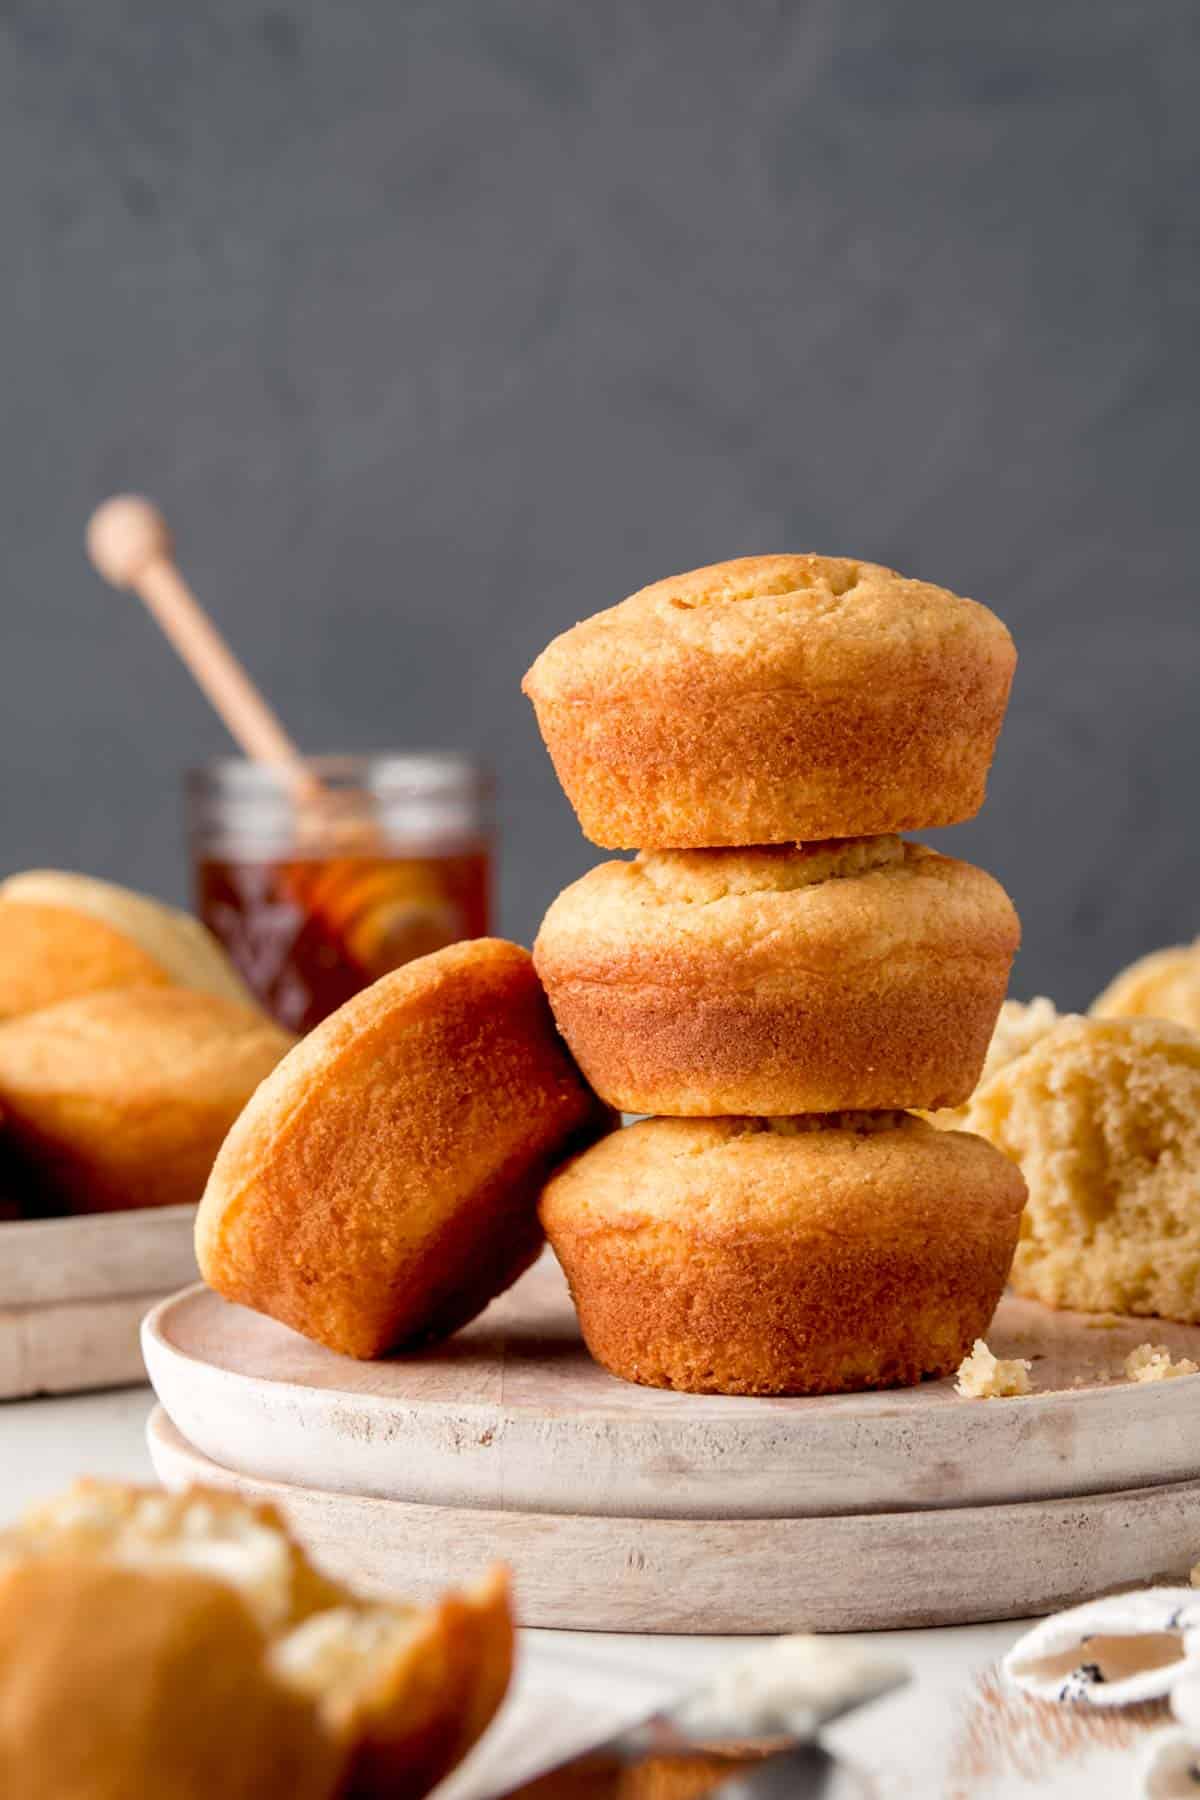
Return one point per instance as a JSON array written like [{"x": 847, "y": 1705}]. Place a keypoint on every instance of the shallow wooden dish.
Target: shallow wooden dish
[
  {"x": 629, "y": 1509},
  {"x": 73, "y": 1292},
  {"x": 857, "y": 1572},
  {"x": 513, "y": 1414}
]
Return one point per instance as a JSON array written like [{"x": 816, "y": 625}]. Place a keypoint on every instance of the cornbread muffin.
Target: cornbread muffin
[
  {"x": 801, "y": 978},
  {"x": 784, "y": 1256},
  {"x": 1021, "y": 1025},
  {"x": 382, "y": 1186},
  {"x": 116, "y": 1682},
  {"x": 63, "y": 935},
  {"x": 181, "y": 1647},
  {"x": 1103, "y": 1116},
  {"x": 1163, "y": 985},
  {"x": 775, "y": 699},
  {"x": 122, "y": 1098}
]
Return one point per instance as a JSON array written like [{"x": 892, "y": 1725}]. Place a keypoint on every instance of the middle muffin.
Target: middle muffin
[{"x": 861, "y": 974}]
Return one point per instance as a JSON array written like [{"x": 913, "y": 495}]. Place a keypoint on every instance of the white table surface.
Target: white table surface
[{"x": 942, "y": 1736}]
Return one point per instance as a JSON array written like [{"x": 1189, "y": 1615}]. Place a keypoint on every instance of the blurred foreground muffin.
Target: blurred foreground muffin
[
  {"x": 180, "y": 1647},
  {"x": 804, "y": 978},
  {"x": 1163, "y": 985},
  {"x": 62, "y": 935},
  {"x": 784, "y": 1256},
  {"x": 382, "y": 1186},
  {"x": 122, "y": 1098},
  {"x": 1103, "y": 1116},
  {"x": 1021, "y": 1025},
  {"x": 774, "y": 699}
]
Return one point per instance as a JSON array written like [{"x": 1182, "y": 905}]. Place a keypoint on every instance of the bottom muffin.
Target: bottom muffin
[{"x": 812, "y": 1255}]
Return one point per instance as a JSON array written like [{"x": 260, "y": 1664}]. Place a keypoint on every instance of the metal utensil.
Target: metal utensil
[
  {"x": 809, "y": 1773},
  {"x": 749, "y": 1731}
]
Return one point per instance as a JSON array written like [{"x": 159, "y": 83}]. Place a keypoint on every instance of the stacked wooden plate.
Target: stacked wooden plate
[
  {"x": 74, "y": 1291},
  {"x": 633, "y": 1509}
]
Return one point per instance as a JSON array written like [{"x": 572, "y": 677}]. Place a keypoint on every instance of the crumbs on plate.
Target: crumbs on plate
[
  {"x": 1152, "y": 1362},
  {"x": 982, "y": 1376}
]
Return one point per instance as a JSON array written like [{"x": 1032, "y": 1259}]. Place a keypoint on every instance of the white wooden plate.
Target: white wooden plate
[
  {"x": 860, "y": 1572},
  {"x": 512, "y": 1414},
  {"x": 73, "y": 1292}
]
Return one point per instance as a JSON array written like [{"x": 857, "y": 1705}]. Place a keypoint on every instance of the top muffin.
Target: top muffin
[{"x": 774, "y": 699}]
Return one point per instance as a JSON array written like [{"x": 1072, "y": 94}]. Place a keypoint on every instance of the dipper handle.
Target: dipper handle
[{"x": 131, "y": 546}]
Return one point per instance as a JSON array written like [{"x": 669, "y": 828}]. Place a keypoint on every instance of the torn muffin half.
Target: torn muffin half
[{"x": 177, "y": 1645}]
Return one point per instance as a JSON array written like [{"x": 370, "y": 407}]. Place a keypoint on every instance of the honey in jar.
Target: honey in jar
[{"x": 315, "y": 896}]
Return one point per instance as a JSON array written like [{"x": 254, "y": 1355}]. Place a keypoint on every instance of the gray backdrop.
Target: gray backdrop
[{"x": 436, "y": 327}]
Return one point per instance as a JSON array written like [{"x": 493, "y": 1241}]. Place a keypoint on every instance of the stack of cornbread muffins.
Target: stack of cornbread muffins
[{"x": 778, "y": 977}]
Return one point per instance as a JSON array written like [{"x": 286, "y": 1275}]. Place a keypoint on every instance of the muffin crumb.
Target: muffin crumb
[
  {"x": 982, "y": 1376},
  {"x": 1152, "y": 1362}
]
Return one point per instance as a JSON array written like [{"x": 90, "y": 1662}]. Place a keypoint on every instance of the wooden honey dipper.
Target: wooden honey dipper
[
  {"x": 346, "y": 879},
  {"x": 130, "y": 544}
]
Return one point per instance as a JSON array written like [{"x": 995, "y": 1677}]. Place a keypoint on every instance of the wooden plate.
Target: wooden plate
[
  {"x": 513, "y": 1415},
  {"x": 860, "y": 1572},
  {"x": 74, "y": 1291}
]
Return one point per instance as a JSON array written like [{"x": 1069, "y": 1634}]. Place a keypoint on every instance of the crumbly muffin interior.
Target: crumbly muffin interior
[
  {"x": 336, "y": 1655},
  {"x": 151, "y": 1531},
  {"x": 1103, "y": 1118}
]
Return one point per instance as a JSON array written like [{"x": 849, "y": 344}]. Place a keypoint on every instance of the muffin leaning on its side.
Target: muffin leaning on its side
[
  {"x": 774, "y": 699},
  {"x": 784, "y": 1256},
  {"x": 804, "y": 978},
  {"x": 1103, "y": 1116},
  {"x": 382, "y": 1186},
  {"x": 121, "y": 1099}
]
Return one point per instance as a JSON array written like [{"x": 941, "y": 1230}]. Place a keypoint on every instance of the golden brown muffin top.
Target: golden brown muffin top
[
  {"x": 63, "y": 934},
  {"x": 773, "y": 909},
  {"x": 815, "y": 1171},
  {"x": 49, "y": 954},
  {"x": 806, "y": 620}
]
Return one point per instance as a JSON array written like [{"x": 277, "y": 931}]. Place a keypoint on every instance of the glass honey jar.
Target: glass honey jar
[{"x": 316, "y": 892}]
